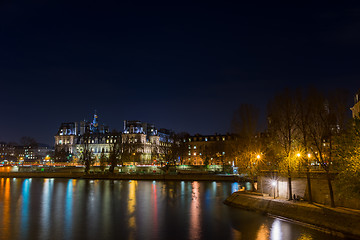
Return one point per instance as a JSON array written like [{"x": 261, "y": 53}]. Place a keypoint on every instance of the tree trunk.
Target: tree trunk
[
  {"x": 332, "y": 204},
  {"x": 289, "y": 185},
  {"x": 87, "y": 167},
  {"x": 290, "y": 189},
  {"x": 309, "y": 186},
  {"x": 111, "y": 168}
]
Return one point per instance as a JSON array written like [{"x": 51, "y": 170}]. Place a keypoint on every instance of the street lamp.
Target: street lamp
[{"x": 298, "y": 154}]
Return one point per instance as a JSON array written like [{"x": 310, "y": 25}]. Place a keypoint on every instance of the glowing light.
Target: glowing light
[
  {"x": 273, "y": 183},
  {"x": 258, "y": 156},
  {"x": 298, "y": 154},
  {"x": 309, "y": 155}
]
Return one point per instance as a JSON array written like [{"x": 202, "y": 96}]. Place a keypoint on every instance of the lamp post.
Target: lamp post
[
  {"x": 258, "y": 158},
  {"x": 273, "y": 183}
]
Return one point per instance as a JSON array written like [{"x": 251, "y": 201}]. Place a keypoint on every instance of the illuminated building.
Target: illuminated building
[
  {"x": 210, "y": 147},
  {"x": 143, "y": 137},
  {"x": 7, "y": 152}
]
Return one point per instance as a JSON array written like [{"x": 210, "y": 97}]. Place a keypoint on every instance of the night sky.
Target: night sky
[{"x": 183, "y": 67}]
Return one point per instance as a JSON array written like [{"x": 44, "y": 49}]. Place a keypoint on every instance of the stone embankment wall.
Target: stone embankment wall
[
  {"x": 319, "y": 189},
  {"x": 165, "y": 177},
  {"x": 336, "y": 221}
]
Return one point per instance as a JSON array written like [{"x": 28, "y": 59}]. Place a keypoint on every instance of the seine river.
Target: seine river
[{"x": 105, "y": 209}]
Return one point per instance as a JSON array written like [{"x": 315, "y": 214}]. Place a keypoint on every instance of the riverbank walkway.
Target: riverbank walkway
[
  {"x": 118, "y": 176},
  {"x": 336, "y": 221},
  {"x": 304, "y": 203}
]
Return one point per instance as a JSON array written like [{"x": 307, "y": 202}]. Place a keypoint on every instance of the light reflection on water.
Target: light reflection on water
[
  {"x": 68, "y": 208},
  {"x": 195, "y": 224},
  {"x": 6, "y": 212},
  {"x": 25, "y": 207},
  {"x": 81, "y": 209},
  {"x": 131, "y": 208}
]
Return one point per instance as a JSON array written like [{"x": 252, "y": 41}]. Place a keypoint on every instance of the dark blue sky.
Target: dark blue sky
[{"x": 181, "y": 67}]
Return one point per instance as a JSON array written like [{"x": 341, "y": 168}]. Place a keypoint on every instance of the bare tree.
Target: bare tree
[
  {"x": 181, "y": 146},
  {"x": 172, "y": 149},
  {"x": 303, "y": 108},
  {"x": 103, "y": 160},
  {"x": 87, "y": 156},
  {"x": 208, "y": 154},
  {"x": 115, "y": 150},
  {"x": 326, "y": 120},
  {"x": 282, "y": 127}
]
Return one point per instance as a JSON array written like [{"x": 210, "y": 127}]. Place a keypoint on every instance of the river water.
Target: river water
[{"x": 106, "y": 209}]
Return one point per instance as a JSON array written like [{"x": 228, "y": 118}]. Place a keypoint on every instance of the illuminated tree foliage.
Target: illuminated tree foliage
[
  {"x": 245, "y": 148},
  {"x": 348, "y": 157}
]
